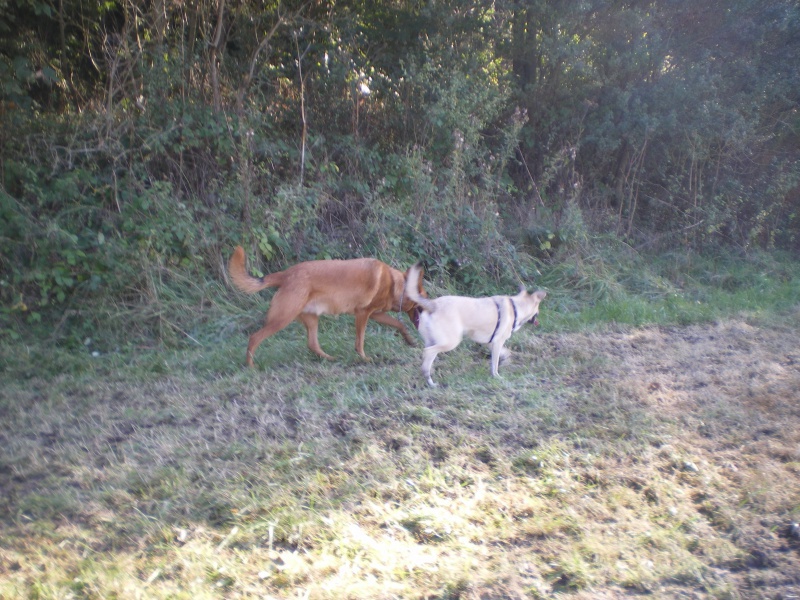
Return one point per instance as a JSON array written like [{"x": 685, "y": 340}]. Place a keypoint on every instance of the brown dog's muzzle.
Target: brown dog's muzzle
[{"x": 413, "y": 314}]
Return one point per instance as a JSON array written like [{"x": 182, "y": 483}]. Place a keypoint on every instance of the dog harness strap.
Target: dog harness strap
[
  {"x": 496, "y": 327},
  {"x": 514, "y": 306}
]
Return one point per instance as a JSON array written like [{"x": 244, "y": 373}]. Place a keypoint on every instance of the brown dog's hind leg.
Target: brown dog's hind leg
[
  {"x": 389, "y": 320},
  {"x": 311, "y": 321},
  {"x": 279, "y": 315},
  {"x": 271, "y": 327}
]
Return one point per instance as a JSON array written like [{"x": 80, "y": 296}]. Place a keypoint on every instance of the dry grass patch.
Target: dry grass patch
[{"x": 659, "y": 461}]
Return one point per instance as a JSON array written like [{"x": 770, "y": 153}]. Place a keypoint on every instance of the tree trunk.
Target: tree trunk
[{"x": 213, "y": 57}]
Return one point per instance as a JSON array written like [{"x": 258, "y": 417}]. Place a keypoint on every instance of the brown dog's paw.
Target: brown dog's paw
[{"x": 409, "y": 339}]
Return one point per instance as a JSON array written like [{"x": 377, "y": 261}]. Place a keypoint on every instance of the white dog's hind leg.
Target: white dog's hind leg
[
  {"x": 430, "y": 353},
  {"x": 428, "y": 356}
]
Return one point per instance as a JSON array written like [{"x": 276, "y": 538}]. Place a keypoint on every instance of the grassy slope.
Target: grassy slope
[{"x": 607, "y": 459}]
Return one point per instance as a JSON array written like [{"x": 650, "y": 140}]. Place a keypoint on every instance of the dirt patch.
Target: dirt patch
[{"x": 729, "y": 394}]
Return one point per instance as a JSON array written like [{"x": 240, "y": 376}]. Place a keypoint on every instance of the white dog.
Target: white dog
[{"x": 444, "y": 321}]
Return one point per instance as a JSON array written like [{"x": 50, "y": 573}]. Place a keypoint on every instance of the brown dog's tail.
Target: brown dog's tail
[
  {"x": 245, "y": 282},
  {"x": 413, "y": 287}
]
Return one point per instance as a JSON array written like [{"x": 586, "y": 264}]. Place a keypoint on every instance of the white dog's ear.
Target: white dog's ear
[{"x": 522, "y": 288}]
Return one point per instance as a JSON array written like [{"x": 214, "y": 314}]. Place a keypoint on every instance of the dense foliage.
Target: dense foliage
[{"x": 141, "y": 140}]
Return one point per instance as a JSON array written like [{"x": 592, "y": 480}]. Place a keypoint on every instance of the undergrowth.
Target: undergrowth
[{"x": 588, "y": 285}]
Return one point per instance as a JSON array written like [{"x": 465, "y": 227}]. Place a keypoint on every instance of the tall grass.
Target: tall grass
[{"x": 624, "y": 287}]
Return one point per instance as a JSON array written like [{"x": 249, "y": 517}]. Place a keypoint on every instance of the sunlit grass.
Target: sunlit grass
[{"x": 608, "y": 456}]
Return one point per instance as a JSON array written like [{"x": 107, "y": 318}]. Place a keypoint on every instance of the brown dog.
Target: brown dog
[{"x": 364, "y": 287}]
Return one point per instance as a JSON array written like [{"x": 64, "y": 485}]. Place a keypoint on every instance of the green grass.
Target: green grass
[
  {"x": 640, "y": 442},
  {"x": 668, "y": 290}
]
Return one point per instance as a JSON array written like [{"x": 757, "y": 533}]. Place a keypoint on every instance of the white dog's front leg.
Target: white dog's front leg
[
  {"x": 505, "y": 355},
  {"x": 499, "y": 355},
  {"x": 497, "y": 351}
]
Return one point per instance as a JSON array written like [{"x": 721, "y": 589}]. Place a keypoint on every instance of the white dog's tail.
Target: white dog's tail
[{"x": 413, "y": 287}]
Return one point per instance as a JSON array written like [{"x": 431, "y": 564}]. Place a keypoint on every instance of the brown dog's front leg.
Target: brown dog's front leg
[
  {"x": 389, "y": 320},
  {"x": 362, "y": 317}
]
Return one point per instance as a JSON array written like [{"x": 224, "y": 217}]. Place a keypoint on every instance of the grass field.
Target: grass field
[{"x": 649, "y": 447}]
